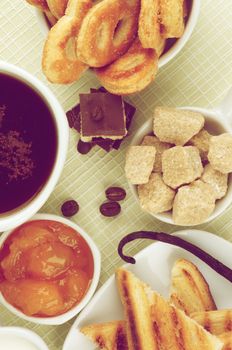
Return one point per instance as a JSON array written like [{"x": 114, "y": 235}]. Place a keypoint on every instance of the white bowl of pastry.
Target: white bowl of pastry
[{"x": 159, "y": 41}]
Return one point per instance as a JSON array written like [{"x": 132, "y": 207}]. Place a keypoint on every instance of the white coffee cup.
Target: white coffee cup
[
  {"x": 19, "y": 215},
  {"x": 217, "y": 121},
  {"x": 19, "y": 338},
  {"x": 171, "y": 53}
]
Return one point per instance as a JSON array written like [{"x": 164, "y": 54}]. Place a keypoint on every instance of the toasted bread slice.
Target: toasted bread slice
[
  {"x": 108, "y": 336},
  {"x": 153, "y": 323},
  {"x": 189, "y": 289},
  {"x": 139, "y": 325},
  {"x": 172, "y": 18},
  {"x": 149, "y": 26},
  {"x": 226, "y": 338},
  {"x": 174, "y": 330},
  {"x": 216, "y": 322}
]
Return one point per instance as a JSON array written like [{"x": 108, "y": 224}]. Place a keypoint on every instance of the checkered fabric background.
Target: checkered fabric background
[{"x": 200, "y": 76}]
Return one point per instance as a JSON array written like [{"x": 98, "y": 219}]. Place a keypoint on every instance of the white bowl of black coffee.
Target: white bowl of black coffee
[{"x": 33, "y": 144}]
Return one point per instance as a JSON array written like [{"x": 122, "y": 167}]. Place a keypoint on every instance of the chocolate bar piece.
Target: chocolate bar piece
[
  {"x": 73, "y": 117},
  {"x": 107, "y": 144},
  {"x": 102, "y": 115}
]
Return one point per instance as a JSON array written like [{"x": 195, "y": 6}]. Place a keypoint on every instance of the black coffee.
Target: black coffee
[{"x": 28, "y": 143}]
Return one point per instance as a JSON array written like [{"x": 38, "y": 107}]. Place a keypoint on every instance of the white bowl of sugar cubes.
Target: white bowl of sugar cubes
[{"x": 179, "y": 164}]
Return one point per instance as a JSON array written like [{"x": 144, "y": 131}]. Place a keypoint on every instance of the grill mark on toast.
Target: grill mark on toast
[
  {"x": 178, "y": 302},
  {"x": 121, "y": 341},
  {"x": 193, "y": 285},
  {"x": 100, "y": 341},
  {"x": 177, "y": 329},
  {"x": 158, "y": 335},
  {"x": 207, "y": 323},
  {"x": 131, "y": 317},
  {"x": 228, "y": 322}
]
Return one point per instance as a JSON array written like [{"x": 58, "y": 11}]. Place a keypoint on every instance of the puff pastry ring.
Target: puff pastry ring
[{"x": 107, "y": 31}]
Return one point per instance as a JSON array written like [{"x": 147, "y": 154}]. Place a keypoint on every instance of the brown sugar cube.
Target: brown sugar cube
[
  {"x": 220, "y": 153},
  {"x": 139, "y": 163},
  {"x": 160, "y": 148},
  {"x": 176, "y": 126},
  {"x": 156, "y": 197},
  {"x": 201, "y": 141},
  {"x": 181, "y": 165},
  {"x": 217, "y": 180},
  {"x": 193, "y": 204}
]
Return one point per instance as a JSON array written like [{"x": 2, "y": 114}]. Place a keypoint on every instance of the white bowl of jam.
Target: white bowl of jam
[
  {"x": 34, "y": 136},
  {"x": 49, "y": 269}
]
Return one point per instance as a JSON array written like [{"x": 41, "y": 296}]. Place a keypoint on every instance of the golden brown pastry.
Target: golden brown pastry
[
  {"x": 189, "y": 289},
  {"x": 107, "y": 31},
  {"x": 132, "y": 72},
  {"x": 149, "y": 26},
  {"x": 60, "y": 63},
  {"x": 216, "y": 322},
  {"x": 172, "y": 18},
  {"x": 57, "y": 7},
  {"x": 40, "y": 4}
]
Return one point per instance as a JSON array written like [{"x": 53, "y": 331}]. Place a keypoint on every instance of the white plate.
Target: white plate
[{"x": 153, "y": 266}]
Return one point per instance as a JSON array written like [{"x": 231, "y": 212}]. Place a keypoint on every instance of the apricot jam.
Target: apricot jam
[{"x": 46, "y": 268}]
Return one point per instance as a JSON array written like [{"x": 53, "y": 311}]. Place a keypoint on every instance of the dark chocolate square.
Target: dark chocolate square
[
  {"x": 73, "y": 117},
  {"x": 102, "y": 115}
]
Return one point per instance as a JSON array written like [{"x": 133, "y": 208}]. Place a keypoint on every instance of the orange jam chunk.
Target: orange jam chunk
[
  {"x": 34, "y": 297},
  {"x": 49, "y": 260},
  {"x": 74, "y": 286},
  {"x": 46, "y": 268}
]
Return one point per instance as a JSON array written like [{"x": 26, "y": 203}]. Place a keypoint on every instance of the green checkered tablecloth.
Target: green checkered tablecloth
[{"x": 200, "y": 76}]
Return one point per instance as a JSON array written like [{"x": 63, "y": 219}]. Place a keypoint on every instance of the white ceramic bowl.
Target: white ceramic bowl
[
  {"x": 171, "y": 53},
  {"x": 24, "y": 334},
  {"x": 217, "y": 121},
  {"x": 28, "y": 209},
  {"x": 60, "y": 319}
]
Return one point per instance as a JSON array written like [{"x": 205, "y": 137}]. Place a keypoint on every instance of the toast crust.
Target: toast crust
[{"x": 108, "y": 336}]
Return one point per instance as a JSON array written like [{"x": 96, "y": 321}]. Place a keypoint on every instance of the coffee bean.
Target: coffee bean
[
  {"x": 115, "y": 194},
  {"x": 69, "y": 208},
  {"x": 84, "y": 147},
  {"x": 110, "y": 209}
]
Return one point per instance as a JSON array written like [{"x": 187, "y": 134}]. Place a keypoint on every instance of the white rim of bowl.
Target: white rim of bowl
[
  {"x": 60, "y": 319},
  {"x": 26, "y": 334},
  {"x": 21, "y": 214}
]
